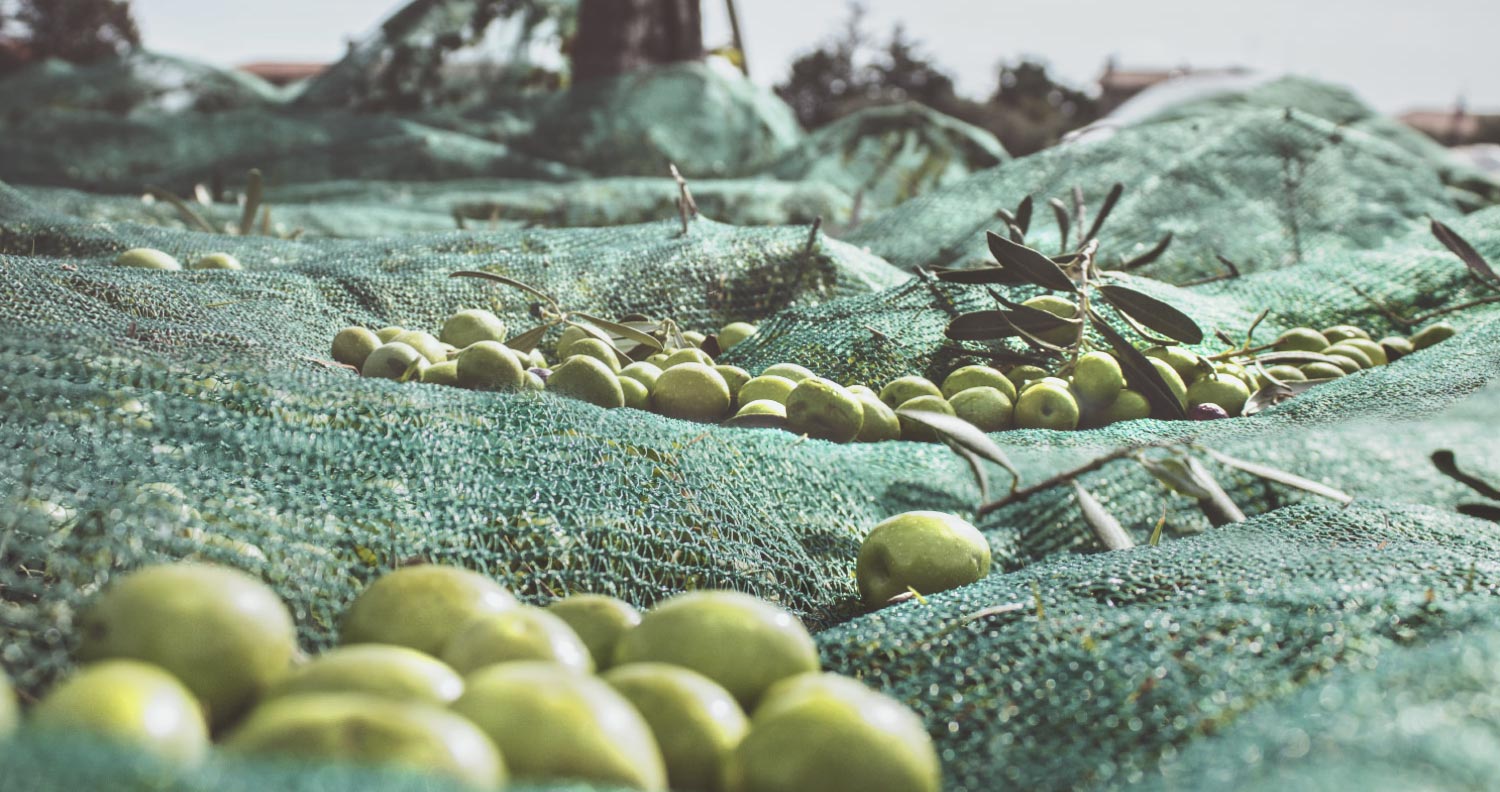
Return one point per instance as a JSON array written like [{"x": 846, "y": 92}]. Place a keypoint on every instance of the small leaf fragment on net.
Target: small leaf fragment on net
[
  {"x": 253, "y": 193},
  {"x": 1447, "y": 464},
  {"x": 1109, "y": 205},
  {"x": 1152, "y": 313},
  {"x": 1466, "y": 252}
]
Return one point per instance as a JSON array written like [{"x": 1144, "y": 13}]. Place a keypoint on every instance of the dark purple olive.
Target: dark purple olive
[
  {"x": 542, "y": 373},
  {"x": 1207, "y": 412}
]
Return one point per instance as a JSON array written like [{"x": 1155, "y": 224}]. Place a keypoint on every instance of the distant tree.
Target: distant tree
[
  {"x": 78, "y": 31},
  {"x": 1030, "y": 111},
  {"x": 618, "y": 36},
  {"x": 824, "y": 83},
  {"x": 1027, "y": 112}
]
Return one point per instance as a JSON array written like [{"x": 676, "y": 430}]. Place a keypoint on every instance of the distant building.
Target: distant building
[
  {"x": 283, "y": 73},
  {"x": 1117, "y": 85},
  {"x": 1455, "y": 127}
]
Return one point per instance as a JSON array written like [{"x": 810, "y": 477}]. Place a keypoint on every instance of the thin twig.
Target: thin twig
[
  {"x": 812, "y": 235},
  {"x": 1061, "y": 478}
]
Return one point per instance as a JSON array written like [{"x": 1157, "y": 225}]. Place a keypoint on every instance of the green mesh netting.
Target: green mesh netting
[
  {"x": 367, "y": 208},
  {"x": 1468, "y": 185},
  {"x": 298, "y": 294},
  {"x": 636, "y": 123},
  {"x": 1263, "y": 188},
  {"x": 887, "y": 155},
  {"x": 161, "y": 415},
  {"x": 143, "y": 83}
]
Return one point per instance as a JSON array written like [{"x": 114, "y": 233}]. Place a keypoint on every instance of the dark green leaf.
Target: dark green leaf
[
  {"x": 1060, "y": 211},
  {"x": 1104, "y": 525},
  {"x": 1281, "y": 477},
  {"x": 1466, "y": 252},
  {"x": 1141, "y": 374},
  {"x": 1109, "y": 205},
  {"x": 1003, "y": 275},
  {"x": 512, "y": 282},
  {"x": 980, "y": 326},
  {"x": 528, "y": 340},
  {"x": 957, "y": 431},
  {"x": 1149, "y": 256},
  {"x": 1033, "y": 319},
  {"x": 1034, "y": 266},
  {"x": 1152, "y": 313},
  {"x": 1023, "y": 214},
  {"x": 253, "y": 193},
  {"x": 1295, "y": 358},
  {"x": 621, "y": 331},
  {"x": 1447, "y": 464},
  {"x": 1483, "y": 511}
]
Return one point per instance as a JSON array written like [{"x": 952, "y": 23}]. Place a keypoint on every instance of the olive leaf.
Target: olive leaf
[
  {"x": 1466, "y": 252},
  {"x": 512, "y": 282},
  {"x": 1483, "y": 511},
  {"x": 528, "y": 340},
  {"x": 254, "y": 191},
  {"x": 1217, "y": 507},
  {"x": 976, "y": 466},
  {"x": 979, "y": 326},
  {"x": 956, "y": 431},
  {"x": 1149, "y": 256},
  {"x": 1003, "y": 275},
  {"x": 1447, "y": 464},
  {"x": 1152, "y": 313},
  {"x": 1109, "y": 205},
  {"x": 1141, "y": 374},
  {"x": 1060, "y": 211},
  {"x": 1281, "y": 477},
  {"x": 1296, "y": 358},
  {"x": 619, "y": 330},
  {"x": 1023, "y": 215},
  {"x": 1036, "y": 268},
  {"x": 1104, "y": 525},
  {"x": 1274, "y": 394},
  {"x": 1174, "y": 473},
  {"x": 187, "y": 213}
]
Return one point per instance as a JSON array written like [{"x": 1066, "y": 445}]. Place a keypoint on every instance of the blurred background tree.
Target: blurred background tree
[
  {"x": 77, "y": 31},
  {"x": 1028, "y": 110},
  {"x": 618, "y": 36}
]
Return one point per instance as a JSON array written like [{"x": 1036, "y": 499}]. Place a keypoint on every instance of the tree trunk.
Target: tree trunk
[{"x": 618, "y": 36}]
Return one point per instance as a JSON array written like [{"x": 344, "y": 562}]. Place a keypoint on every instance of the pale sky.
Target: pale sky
[{"x": 1397, "y": 54}]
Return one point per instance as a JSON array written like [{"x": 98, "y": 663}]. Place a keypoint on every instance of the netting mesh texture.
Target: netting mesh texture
[{"x": 176, "y": 415}]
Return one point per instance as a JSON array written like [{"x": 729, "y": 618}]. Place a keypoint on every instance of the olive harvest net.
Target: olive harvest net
[{"x": 149, "y": 415}]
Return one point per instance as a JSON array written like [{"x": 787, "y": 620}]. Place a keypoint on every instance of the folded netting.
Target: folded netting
[
  {"x": 103, "y": 152},
  {"x": 355, "y": 208},
  {"x": 1264, "y": 188},
  {"x": 295, "y": 295},
  {"x": 1090, "y": 672}
]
